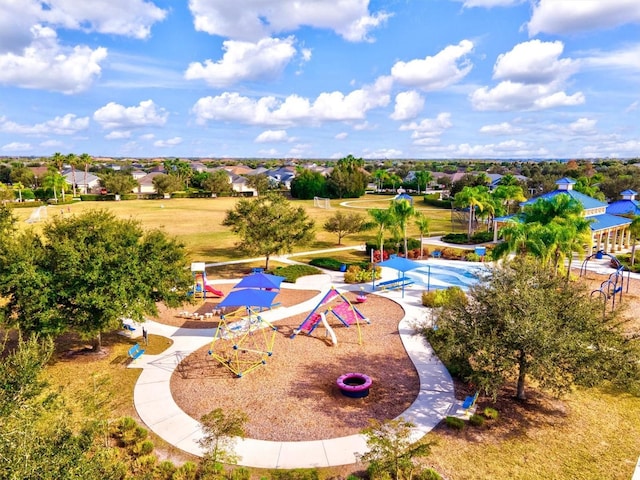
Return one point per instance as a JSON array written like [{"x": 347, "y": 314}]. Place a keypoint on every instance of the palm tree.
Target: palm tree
[
  {"x": 380, "y": 176},
  {"x": 508, "y": 195},
  {"x": 422, "y": 222},
  {"x": 19, "y": 187},
  {"x": 54, "y": 181},
  {"x": 403, "y": 211},
  {"x": 634, "y": 229},
  {"x": 382, "y": 219},
  {"x": 472, "y": 197},
  {"x": 520, "y": 238},
  {"x": 86, "y": 160},
  {"x": 423, "y": 177},
  {"x": 73, "y": 161}
]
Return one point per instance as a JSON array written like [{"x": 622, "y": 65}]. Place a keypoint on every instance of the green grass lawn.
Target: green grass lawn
[{"x": 589, "y": 434}]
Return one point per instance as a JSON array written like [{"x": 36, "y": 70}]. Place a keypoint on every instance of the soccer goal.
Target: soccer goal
[
  {"x": 321, "y": 202},
  {"x": 37, "y": 215}
]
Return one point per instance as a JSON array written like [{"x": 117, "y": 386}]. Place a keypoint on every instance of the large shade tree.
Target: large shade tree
[
  {"x": 269, "y": 225},
  {"x": 523, "y": 325},
  {"x": 87, "y": 272}
]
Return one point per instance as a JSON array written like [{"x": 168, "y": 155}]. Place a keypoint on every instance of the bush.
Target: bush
[
  {"x": 393, "y": 246},
  {"x": 433, "y": 200},
  {"x": 476, "y": 420},
  {"x": 186, "y": 471},
  {"x": 326, "y": 262},
  {"x": 442, "y": 297},
  {"x": 482, "y": 237},
  {"x": 240, "y": 473},
  {"x": 356, "y": 274},
  {"x": 296, "y": 474},
  {"x": 291, "y": 273},
  {"x": 428, "y": 474},
  {"x": 472, "y": 257},
  {"x": 457, "y": 238},
  {"x": 454, "y": 423},
  {"x": 490, "y": 413}
]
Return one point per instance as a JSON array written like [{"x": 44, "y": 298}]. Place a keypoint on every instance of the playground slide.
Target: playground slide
[
  {"x": 330, "y": 332},
  {"x": 210, "y": 289}
]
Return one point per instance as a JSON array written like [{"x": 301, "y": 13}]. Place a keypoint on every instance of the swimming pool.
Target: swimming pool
[{"x": 448, "y": 273}]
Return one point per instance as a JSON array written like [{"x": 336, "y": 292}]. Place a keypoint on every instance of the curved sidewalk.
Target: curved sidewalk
[{"x": 157, "y": 409}]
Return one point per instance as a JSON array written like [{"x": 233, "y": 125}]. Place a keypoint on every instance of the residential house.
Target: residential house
[{"x": 145, "y": 184}]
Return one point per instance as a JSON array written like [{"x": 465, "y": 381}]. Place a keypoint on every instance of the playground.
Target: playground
[{"x": 294, "y": 396}]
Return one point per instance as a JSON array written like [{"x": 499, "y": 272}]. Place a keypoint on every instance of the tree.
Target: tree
[
  {"x": 85, "y": 161},
  {"x": 73, "y": 161},
  {"x": 346, "y": 224},
  {"x": 472, "y": 198},
  {"x": 308, "y": 184},
  {"x": 88, "y": 272},
  {"x": 217, "y": 182},
  {"x": 423, "y": 177},
  {"x": 259, "y": 182},
  {"x": 6, "y": 194},
  {"x": 166, "y": 184},
  {"x": 220, "y": 432},
  {"x": 634, "y": 230},
  {"x": 423, "y": 223},
  {"x": 179, "y": 169},
  {"x": 383, "y": 219},
  {"x": 391, "y": 450},
  {"x": 347, "y": 179},
  {"x": 22, "y": 175},
  {"x": 269, "y": 225},
  {"x": 118, "y": 183},
  {"x": 54, "y": 181},
  {"x": 402, "y": 212},
  {"x": 524, "y": 322}
]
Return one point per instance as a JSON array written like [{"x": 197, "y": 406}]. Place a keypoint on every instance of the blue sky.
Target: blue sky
[{"x": 321, "y": 78}]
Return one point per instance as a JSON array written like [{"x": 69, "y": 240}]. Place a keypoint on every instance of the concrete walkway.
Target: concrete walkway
[{"x": 157, "y": 409}]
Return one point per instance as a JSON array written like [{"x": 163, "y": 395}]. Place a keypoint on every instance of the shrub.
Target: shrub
[
  {"x": 472, "y": 257},
  {"x": 490, "y": 413},
  {"x": 428, "y": 474},
  {"x": 482, "y": 237},
  {"x": 291, "y": 273},
  {"x": 454, "y": 423},
  {"x": 326, "y": 262},
  {"x": 295, "y": 474},
  {"x": 356, "y": 274},
  {"x": 476, "y": 420},
  {"x": 165, "y": 470},
  {"x": 433, "y": 199},
  {"x": 186, "y": 471},
  {"x": 143, "y": 448},
  {"x": 240, "y": 473},
  {"x": 442, "y": 297},
  {"x": 457, "y": 238}
]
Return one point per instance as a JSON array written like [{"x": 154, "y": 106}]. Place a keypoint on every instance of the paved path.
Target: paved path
[{"x": 158, "y": 410}]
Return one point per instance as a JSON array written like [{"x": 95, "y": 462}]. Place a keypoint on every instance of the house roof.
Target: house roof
[
  {"x": 624, "y": 207},
  {"x": 586, "y": 201},
  {"x": 604, "y": 221},
  {"x": 80, "y": 178},
  {"x": 148, "y": 178}
]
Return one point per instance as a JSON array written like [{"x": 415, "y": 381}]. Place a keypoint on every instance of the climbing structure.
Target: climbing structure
[
  {"x": 337, "y": 304},
  {"x": 243, "y": 344},
  {"x": 615, "y": 285}
]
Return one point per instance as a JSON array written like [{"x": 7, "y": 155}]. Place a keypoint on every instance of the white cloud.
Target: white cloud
[
  {"x": 570, "y": 16},
  {"x": 115, "y": 116},
  {"x": 534, "y": 62},
  {"x": 44, "y": 64},
  {"x": 269, "y": 111},
  {"x": 118, "y": 135},
  {"x": 504, "y": 128},
  {"x": 255, "y": 19},
  {"x": 624, "y": 59},
  {"x": 241, "y": 61},
  {"x": 429, "y": 128},
  {"x": 447, "y": 67},
  {"x": 16, "y": 147},
  {"x": 583, "y": 126},
  {"x": 408, "y": 105},
  {"x": 68, "y": 124},
  {"x": 272, "y": 136},
  {"x": 383, "y": 153},
  {"x": 633, "y": 107},
  {"x": 341, "y": 136},
  {"x": 171, "y": 142},
  {"x": 517, "y": 96}
]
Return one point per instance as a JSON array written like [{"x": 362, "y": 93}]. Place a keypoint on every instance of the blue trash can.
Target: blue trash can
[
  {"x": 343, "y": 267},
  {"x": 481, "y": 251}
]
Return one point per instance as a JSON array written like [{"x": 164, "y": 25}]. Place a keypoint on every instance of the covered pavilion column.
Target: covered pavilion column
[{"x": 606, "y": 241}]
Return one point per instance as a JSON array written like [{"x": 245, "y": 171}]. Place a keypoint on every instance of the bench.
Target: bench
[
  {"x": 395, "y": 283},
  {"x": 135, "y": 352},
  {"x": 436, "y": 254},
  {"x": 469, "y": 401}
]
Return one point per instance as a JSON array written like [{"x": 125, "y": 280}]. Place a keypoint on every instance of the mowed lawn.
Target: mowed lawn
[
  {"x": 588, "y": 434},
  {"x": 198, "y": 222}
]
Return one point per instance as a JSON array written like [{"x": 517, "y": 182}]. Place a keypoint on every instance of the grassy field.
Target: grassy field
[{"x": 589, "y": 434}]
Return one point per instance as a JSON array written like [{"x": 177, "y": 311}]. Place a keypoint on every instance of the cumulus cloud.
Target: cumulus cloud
[
  {"x": 534, "y": 62},
  {"x": 428, "y": 130},
  {"x": 561, "y": 17},
  {"x": 623, "y": 59},
  {"x": 241, "y": 61},
  {"x": 269, "y": 111},
  {"x": 408, "y": 105},
  {"x": 68, "y": 124},
  {"x": 583, "y": 126},
  {"x": 171, "y": 142},
  {"x": 269, "y": 136},
  {"x": 115, "y": 116},
  {"x": 341, "y": 136},
  {"x": 508, "y": 96},
  {"x": 382, "y": 153},
  {"x": 16, "y": 147},
  {"x": 504, "y": 128},
  {"x": 44, "y": 64},
  {"x": 447, "y": 67},
  {"x": 255, "y": 19},
  {"x": 118, "y": 135}
]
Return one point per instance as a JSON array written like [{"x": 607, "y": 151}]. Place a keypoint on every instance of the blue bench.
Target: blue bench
[
  {"x": 135, "y": 352},
  {"x": 128, "y": 326},
  {"x": 469, "y": 401},
  {"x": 395, "y": 283}
]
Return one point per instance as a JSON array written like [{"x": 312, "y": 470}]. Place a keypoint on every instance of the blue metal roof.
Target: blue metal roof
[
  {"x": 604, "y": 221},
  {"x": 624, "y": 207},
  {"x": 566, "y": 181},
  {"x": 586, "y": 201},
  {"x": 629, "y": 192}
]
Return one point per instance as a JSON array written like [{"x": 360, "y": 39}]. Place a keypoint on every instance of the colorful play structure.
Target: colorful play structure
[
  {"x": 245, "y": 344},
  {"x": 614, "y": 286},
  {"x": 200, "y": 285},
  {"x": 333, "y": 302}
]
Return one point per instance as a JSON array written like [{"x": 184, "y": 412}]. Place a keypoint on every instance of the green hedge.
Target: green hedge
[
  {"x": 390, "y": 246},
  {"x": 433, "y": 200},
  {"x": 463, "y": 239},
  {"x": 291, "y": 273},
  {"x": 26, "y": 204}
]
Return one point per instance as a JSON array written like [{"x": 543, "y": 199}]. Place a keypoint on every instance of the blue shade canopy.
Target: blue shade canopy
[
  {"x": 260, "y": 280},
  {"x": 248, "y": 297},
  {"x": 401, "y": 264}
]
